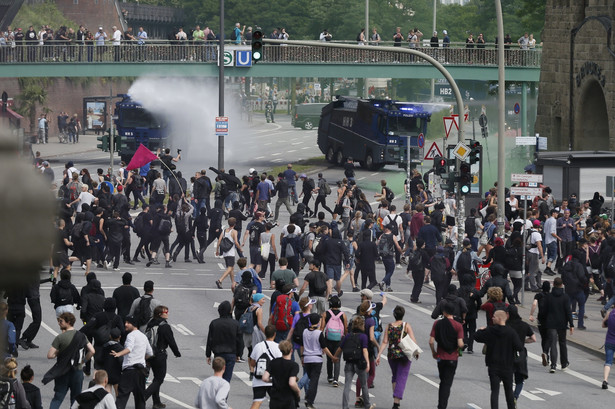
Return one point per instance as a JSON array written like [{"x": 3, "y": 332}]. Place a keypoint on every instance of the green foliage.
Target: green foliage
[
  {"x": 33, "y": 95},
  {"x": 38, "y": 15}
]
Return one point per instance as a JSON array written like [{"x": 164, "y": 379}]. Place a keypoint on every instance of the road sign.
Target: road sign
[
  {"x": 228, "y": 59},
  {"x": 243, "y": 58},
  {"x": 542, "y": 143},
  {"x": 461, "y": 151},
  {"x": 525, "y": 140},
  {"x": 517, "y": 108},
  {"x": 222, "y": 125},
  {"x": 610, "y": 186},
  {"x": 525, "y": 191},
  {"x": 421, "y": 140},
  {"x": 525, "y": 177},
  {"x": 433, "y": 152},
  {"x": 449, "y": 121}
]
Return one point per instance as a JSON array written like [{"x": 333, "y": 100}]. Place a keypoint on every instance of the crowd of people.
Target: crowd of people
[{"x": 304, "y": 325}]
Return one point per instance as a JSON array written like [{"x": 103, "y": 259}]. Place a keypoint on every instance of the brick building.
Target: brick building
[{"x": 576, "y": 100}]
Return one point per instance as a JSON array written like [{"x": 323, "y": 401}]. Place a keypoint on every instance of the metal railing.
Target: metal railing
[{"x": 190, "y": 52}]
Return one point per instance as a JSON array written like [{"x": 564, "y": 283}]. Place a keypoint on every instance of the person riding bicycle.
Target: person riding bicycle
[{"x": 269, "y": 111}]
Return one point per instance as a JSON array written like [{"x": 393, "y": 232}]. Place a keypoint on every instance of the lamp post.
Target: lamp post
[
  {"x": 221, "y": 86},
  {"x": 501, "y": 118}
]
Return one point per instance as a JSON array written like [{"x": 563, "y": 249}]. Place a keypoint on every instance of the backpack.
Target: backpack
[
  {"x": 305, "y": 241},
  {"x": 223, "y": 189},
  {"x": 138, "y": 181},
  {"x": 301, "y": 325},
  {"x": 246, "y": 321},
  {"x": 89, "y": 399},
  {"x": 242, "y": 296},
  {"x": 609, "y": 269},
  {"x": 7, "y": 393},
  {"x": 293, "y": 245},
  {"x": 152, "y": 335},
  {"x": 389, "y": 195},
  {"x": 316, "y": 242},
  {"x": 72, "y": 188},
  {"x": 377, "y": 326},
  {"x": 234, "y": 34},
  {"x": 514, "y": 257},
  {"x": 65, "y": 295},
  {"x": 415, "y": 260},
  {"x": 359, "y": 37},
  {"x": 143, "y": 313},
  {"x": 464, "y": 262},
  {"x": 470, "y": 226},
  {"x": 327, "y": 189},
  {"x": 226, "y": 244},
  {"x": 103, "y": 334},
  {"x": 165, "y": 227},
  {"x": 77, "y": 231},
  {"x": 139, "y": 224},
  {"x": 282, "y": 316},
  {"x": 438, "y": 267},
  {"x": 393, "y": 225},
  {"x": 320, "y": 283},
  {"x": 386, "y": 247},
  {"x": 334, "y": 330},
  {"x": 263, "y": 362},
  {"x": 211, "y": 36},
  {"x": 352, "y": 350}
]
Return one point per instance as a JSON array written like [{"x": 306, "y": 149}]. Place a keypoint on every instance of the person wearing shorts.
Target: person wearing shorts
[
  {"x": 261, "y": 388},
  {"x": 229, "y": 256},
  {"x": 609, "y": 345}
]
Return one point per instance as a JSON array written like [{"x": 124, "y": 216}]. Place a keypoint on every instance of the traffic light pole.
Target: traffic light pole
[{"x": 221, "y": 86}]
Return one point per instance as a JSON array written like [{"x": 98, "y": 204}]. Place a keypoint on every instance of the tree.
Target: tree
[{"x": 33, "y": 95}]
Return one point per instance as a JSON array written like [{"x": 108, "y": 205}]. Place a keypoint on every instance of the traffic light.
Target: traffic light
[
  {"x": 475, "y": 150},
  {"x": 465, "y": 178},
  {"x": 119, "y": 143},
  {"x": 440, "y": 165},
  {"x": 257, "y": 45},
  {"x": 104, "y": 142}
]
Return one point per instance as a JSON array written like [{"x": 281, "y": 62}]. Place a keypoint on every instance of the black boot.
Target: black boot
[{"x": 168, "y": 264}]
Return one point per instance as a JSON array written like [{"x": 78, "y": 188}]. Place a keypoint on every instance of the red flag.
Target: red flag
[{"x": 142, "y": 156}]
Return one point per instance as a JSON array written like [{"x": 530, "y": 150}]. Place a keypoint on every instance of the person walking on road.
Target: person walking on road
[
  {"x": 540, "y": 302},
  {"x": 282, "y": 373},
  {"x": 609, "y": 345},
  {"x": 260, "y": 389},
  {"x": 448, "y": 334},
  {"x": 502, "y": 343},
  {"x": 559, "y": 318},
  {"x": 224, "y": 339},
  {"x": 161, "y": 337},
  {"x": 214, "y": 390},
  {"x": 526, "y": 336}
]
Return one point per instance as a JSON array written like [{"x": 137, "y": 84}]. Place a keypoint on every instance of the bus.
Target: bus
[
  {"x": 135, "y": 125},
  {"x": 371, "y": 131}
]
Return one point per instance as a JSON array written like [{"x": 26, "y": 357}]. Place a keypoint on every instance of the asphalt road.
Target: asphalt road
[{"x": 189, "y": 291}]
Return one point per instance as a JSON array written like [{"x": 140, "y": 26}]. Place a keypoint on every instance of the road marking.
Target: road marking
[
  {"x": 154, "y": 273},
  {"x": 353, "y": 388},
  {"x": 221, "y": 266},
  {"x": 178, "y": 329},
  {"x": 182, "y": 326},
  {"x": 170, "y": 378},
  {"x": 291, "y": 151},
  {"x": 177, "y": 402},
  {"x": 179, "y": 274},
  {"x": 374, "y": 174},
  {"x": 297, "y": 143},
  {"x": 196, "y": 381},
  {"x": 306, "y": 147},
  {"x": 244, "y": 376},
  {"x": 47, "y": 327},
  {"x": 413, "y": 306},
  {"x": 205, "y": 274},
  {"x": 548, "y": 392},
  {"x": 429, "y": 381},
  {"x": 260, "y": 157},
  {"x": 530, "y": 396},
  {"x": 276, "y": 154},
  {"x": 361, "y": 178},
  {"x": 473, "y": 406},
  {"x": 276, "y": 160}
]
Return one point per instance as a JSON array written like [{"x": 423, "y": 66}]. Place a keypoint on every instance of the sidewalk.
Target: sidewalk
[
  {"x": 590, "y": 340},
  {"x": 54, "y": 149}
]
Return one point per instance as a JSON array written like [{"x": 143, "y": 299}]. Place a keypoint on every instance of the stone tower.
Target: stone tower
[{"x": 576, "y": 98}]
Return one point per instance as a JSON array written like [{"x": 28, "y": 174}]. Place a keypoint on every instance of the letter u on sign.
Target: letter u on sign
[{"x": 243, "y": 58}]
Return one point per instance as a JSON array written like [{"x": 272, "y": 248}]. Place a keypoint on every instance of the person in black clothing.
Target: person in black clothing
[
  {"x": 33, "y": 393},
  {"x": 470, "y": 295},
  {"x": 64, "y": 294},
  {"x": 124, "y": 296},
  {"x": 92, "y": 299},
  {"x": 202, "y": 191},
  {"x": 336, "y": 257},
  {"x": 233, "y": 184},
  {"x": 115, "y": 235},
  {"x": 201, "y": 224},
  {"x": 167, "y": 163},
  {"x": 498, "y": 279},
  {"x": 111, "y": 364},
  {"x": 145, "y": 234},
  {"x": 164, "y": 338},
  {"x": 160, "y": 236},
  {"x": 540, "y": 301},
  {"x": 559, "y": 317},
  {"x": 526, "y": 336},
  {"x": 502, "y": 344},
  {"x": 367, "y": 254},
  {"x": 418, "y": 270},
  {"x": 576, "y": 281},
  {"x": 460, "y": 308},
  {"x": 224, "y": 339},
  {"x": 306, "y": 191},
  {"x": 596, "y": 204},
  {"x": 16, "y": 300},
  {"x": 215, "y": 225},
  {"x": 33, "y": 297},
  {"x": 281, "y": 188},
  {"x": 98, "y": 327},
  {"x": 177, "y": 185}
]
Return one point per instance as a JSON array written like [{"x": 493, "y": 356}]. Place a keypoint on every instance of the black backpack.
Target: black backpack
[
  {"x": 139, "y": 224},
  {"x": 143, "y": 312},
  {"x": 6, "y": 391},
  {"x": 242, "y": 296},
  {"x": 438, "y": 267},
  {"x": 103, "y": 334},
  {"x": 386, "y": 246},
  {"x": 389, "y": 194},
  {"x": 234, "y": 35},
  {"x": 352, "y": 350},
  {"x": 165, "y": 227},
  {"x": 470, "y": 226},
  {"x": 464, "y": 262},
  {"x": 180, "y": 223},
  {"x": 609, "y": 268},
  {"x": 302, "y": 324},
  {"x": 393, "y": 225},
  {"x": 320, "y": 283},
  {"x": 415, "y": 260}
]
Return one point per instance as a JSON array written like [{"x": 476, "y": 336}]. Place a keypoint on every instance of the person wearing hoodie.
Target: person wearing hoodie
[
  {"x": 439, "y": 265},
  {"x": 576, "y": 280},
  {"x": 224, "y": 339},
  {"x": 526, "y": 336},
  {"x": 163, "y": 338},
  {"x": 335, "y": 253},
  {"x": 98, "y": 328},
  {"x": 459, "y": 305},
  {"x": 498, "y": 279},
  {"x": 202, "y": 191},
  {"x": 92, "y": 298},
  {"x": 559, "y": 318},
  {"x": 64, "y": 295},
  {"x": 233, "y": 185},
  {"x": 502, "y": 343}
]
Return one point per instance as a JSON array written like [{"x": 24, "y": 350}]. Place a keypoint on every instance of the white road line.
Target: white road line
[
  {"x": 297, "y": 143},
  {"x": 47, "y": 327},
  {"x": 178, "y": 329},
  {"x": 353, "y": 388},
  {"x": 276, "y": 160},
  {"x": 374, "y": 174},
  {"x": 276, "y": 154},
  {"x": 196, "y": 381},
  {"x": 473, "y": 406},
  {"x": 221, "y": 266},
  {"x": 244, "y": 376},
  {"x": 291, "y": 151},
  {"x": 179, "y": 274},
  {"x": 306, "y": 147},
  {"x": 175, "y": 401},
  {"x": 530, "y": 396},
  {"x": 205, "y": 274},
  {"x": 429, "y": 381},
  {"x": 260, "y": 157},
  {"x": 182, "y": 326},
  {"x": 361, "y": 178},
  {"x": 413, "y": 306},
  {"x": 170, "y": 378},
  {"x": 154, "y": 273}
]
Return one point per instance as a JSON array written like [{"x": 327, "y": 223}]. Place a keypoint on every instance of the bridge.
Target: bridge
[{"x": 163, "y": 58}]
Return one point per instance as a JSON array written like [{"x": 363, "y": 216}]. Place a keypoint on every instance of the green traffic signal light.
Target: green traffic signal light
[
  {"x": 465, "y": 178},
  {"x": 257, "y": 45}
]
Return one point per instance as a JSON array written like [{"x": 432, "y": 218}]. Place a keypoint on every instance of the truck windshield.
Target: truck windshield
[
  {"x": 139, "y": 118},
  {"x": 401, "y": 125}
]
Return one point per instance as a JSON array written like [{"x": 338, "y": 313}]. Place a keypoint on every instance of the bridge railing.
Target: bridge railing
[{"x": 164, "y": 51}]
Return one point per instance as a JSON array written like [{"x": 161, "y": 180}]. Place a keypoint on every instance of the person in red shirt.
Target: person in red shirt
[{"x": 448, "y": 333}]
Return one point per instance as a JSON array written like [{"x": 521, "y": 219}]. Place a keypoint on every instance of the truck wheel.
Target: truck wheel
[
  {"x": 307, "y": 125},
  {"x": 339, "y": 158},
  {"x": 330, "y": 155},
  {"x": 369, "y": 161}
]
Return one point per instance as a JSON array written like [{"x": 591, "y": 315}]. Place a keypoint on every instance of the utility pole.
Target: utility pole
[{"x": 221, "y": 85}]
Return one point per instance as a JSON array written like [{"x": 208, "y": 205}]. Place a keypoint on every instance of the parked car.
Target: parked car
[{"x": 306, "y": 116}]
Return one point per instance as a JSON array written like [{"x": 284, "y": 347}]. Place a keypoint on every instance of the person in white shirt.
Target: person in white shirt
[
  {"x": 136, "y": 350},
  {"x": 215, "y": 389},
  {"x": 261, "y": 388},
  {"x": 550, "y": 232},
  {"x": 84, "y": 197},
  {"x": 98, "y": 392},
  {"x": 116, "y": 40},
  {"x": 534, "y": 254}
]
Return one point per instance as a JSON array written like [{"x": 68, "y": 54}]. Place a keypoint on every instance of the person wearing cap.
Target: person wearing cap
[
  {"x": 158, "y": 362},
  {"x": 314, "y": 279},
  {"x": 307, "y": 188},
  {"x": 66, "y": 375},
  {"x": 533, "y": 255},
  {"x": 314, "y": 345},
  {"x": 258, "y": 335},
  {"x": 149, "y": 302},
  {"x": 136, "y": 350}
]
